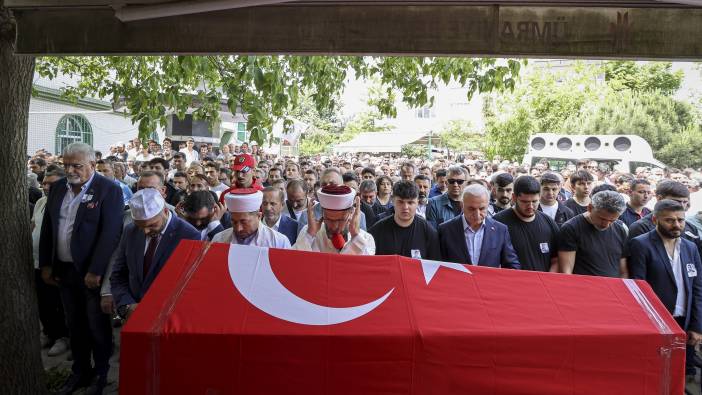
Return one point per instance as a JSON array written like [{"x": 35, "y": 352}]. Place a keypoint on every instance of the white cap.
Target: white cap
[
  {"x": 337, "y": 200},
  {"x": 243, "y": 201},
  {"x": 146, "y": 204}
]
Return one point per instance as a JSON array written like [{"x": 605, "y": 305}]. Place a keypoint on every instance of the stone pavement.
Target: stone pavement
[{"x": 60, "y": 366}]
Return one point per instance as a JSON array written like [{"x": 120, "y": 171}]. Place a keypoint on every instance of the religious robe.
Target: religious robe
[
  {"x": 265, "y": 237},
  {"x": 362, "y": 244}
]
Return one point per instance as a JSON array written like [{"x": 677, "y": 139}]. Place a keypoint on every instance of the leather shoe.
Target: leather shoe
[
  {"x": 72, "y": 384},
  {"x": 97, "y": 386}
]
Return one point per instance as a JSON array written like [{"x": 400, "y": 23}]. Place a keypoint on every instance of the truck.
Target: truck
[{"x": 621, "y": 152}]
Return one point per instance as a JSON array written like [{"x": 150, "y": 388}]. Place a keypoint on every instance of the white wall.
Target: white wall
[{"x": 108, "y": 127}]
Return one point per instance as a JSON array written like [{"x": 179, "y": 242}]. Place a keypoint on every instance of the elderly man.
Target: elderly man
[
  {"x": 244, "y": 206},
  {"x": 144, "y": 248},
  {"x": 445, "y": 207},
  {"x": 80, "y": 231},
  {"x": 593, "y": 243},
  {"x": 474, "y": 238},
  {"x": 272, "y": 209},
  {"x": 339, "y": 230}
]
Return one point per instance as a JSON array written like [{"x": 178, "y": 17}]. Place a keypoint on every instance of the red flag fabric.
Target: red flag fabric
[{"x": 224, "y": 319}]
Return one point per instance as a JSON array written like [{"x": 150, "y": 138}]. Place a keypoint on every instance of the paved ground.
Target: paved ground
[{"x": 59, "y": 366}]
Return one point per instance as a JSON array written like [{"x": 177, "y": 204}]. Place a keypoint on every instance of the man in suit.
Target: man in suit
[
  {"x": 81, "y": 228},
  {"x": 445, "y": 207},
  {"x": 473, "y": 237},
  {"x": 202, "y": 210},
  {"x": 671, "y": 265},
  {"x": 272, "y": 208},
  {"x": 144, "y": 248}
]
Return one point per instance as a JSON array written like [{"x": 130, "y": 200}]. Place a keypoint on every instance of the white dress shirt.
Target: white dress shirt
[
  {"x": 679, "y": 280},
  {"x": 67, "y": 216}
]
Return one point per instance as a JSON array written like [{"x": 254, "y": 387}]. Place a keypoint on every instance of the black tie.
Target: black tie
[{"x": 149, "y": 256}]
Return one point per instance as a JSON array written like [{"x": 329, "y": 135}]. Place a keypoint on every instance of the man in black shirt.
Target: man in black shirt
[
  {"x": 593, "y": 243},
  {"x": 581, "y": 182},
  {"x": 533, "y": 233},
  {"x": 405, "y": 233},
  {"x": 501, "y": 191}
]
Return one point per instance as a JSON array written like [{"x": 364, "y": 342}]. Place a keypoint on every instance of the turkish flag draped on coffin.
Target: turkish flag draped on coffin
[{"x": 224, "y": 319}]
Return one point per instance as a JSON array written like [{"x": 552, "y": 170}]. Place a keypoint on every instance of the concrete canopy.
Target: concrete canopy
[{"x": 587, "y": 28}]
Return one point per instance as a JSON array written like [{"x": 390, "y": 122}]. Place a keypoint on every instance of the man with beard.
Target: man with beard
[
  {"x": 424, "y": 185},
  {"x": 244, "y": 206},
  {"x": 144, "y": 248},
  {"x": 671, "y": 266},
  {"x": 405, "y": 233},
  {"x": 80, "y": 231},
  {"x": 532, "y": 232},
  {"x": 502, "y": 188},
  {"x": 338, "y": 231},
  {"x": 272, "y": 207},
  {"x": 593, "y": 243},
  {"x": 204, "y": 213}
]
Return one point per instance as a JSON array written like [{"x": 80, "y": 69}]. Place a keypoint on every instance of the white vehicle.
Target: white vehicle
[{"x": 612, "y": 152}]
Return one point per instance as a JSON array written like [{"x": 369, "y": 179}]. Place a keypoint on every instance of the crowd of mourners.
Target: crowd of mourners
[{"x": 104, "y": 224}]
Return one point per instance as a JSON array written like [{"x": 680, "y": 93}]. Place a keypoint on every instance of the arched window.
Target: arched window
[{"x": 71, "y": 129}]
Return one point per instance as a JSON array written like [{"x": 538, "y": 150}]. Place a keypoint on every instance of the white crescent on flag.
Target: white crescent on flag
[{"x": 251, "y": 272}]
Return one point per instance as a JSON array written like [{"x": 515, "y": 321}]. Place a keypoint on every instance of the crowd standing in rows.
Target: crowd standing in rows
[{"x": 105, "y": 224}]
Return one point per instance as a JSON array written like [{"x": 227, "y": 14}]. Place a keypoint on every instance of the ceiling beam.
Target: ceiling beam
[{"x": 456, "y": 30}]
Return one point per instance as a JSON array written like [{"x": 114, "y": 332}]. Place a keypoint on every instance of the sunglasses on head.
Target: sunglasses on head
[{"x": 455, "y": 181}]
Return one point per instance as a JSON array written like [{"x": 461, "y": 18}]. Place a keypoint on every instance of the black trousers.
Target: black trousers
[
  {"x": 89, "y": 328},
  {"x": 53, "y": 321}
]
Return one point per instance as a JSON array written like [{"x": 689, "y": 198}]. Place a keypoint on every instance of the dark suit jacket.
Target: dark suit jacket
[
  {"x": 96, "y": 229},
  {"x": 496, "y": 249},
  {"x": 288, "y": 227},
  {"x": 128, "y": 282},
  {"x": 649, "y": 261}
]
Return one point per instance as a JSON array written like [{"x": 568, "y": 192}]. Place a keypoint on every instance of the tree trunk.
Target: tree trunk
[{"x": 21, "y": 370}]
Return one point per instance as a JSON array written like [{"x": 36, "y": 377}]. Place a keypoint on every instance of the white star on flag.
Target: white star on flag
[{"x": 430, "y": 267}]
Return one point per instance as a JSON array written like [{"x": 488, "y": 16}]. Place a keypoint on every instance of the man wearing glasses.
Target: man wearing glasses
[{"x": 447, "y": 206}]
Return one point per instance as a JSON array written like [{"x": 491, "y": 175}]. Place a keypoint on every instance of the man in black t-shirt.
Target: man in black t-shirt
[
  {"x": 405, "y": 233},
  {"x": 533, "y": 233},
  {"x": 581, "y": 182},
  {"x": 594, "y": 243}
]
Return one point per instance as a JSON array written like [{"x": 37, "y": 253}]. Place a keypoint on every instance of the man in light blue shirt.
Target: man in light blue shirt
[{"x": 106, "y": 169}]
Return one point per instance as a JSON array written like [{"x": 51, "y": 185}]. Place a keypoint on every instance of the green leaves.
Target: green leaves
[{"x": 264, "y": 88}]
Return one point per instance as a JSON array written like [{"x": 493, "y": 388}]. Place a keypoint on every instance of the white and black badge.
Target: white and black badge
[
  {"x": 544, "y": 248},
  {"x": 416, "y": 254},
  {"x": 691, "y": 270}
]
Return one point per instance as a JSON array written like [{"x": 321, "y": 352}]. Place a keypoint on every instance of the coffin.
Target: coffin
[{"x": 224, "y": 319}]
